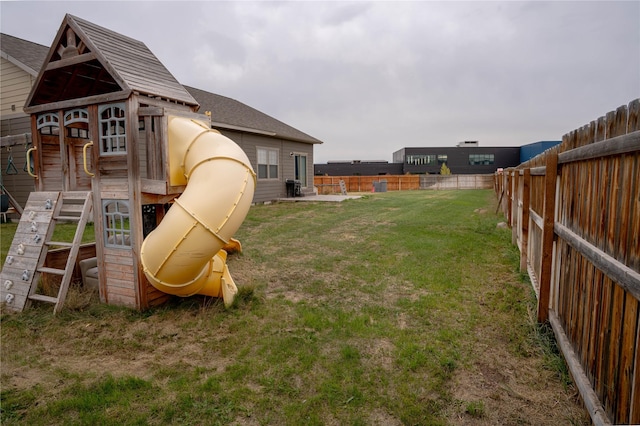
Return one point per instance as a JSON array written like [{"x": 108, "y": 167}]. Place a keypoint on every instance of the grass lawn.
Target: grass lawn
[{"x": 397, "y": 308}]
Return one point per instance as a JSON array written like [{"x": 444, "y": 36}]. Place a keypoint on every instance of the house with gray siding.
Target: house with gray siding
[{"x": 277, "y": 151}]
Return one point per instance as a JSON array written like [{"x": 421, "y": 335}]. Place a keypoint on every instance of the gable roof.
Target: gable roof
[
  {"x": 24, "y": 54},
  {"x": 227, "y": 113},
  {"x": 87, "y": 60}
]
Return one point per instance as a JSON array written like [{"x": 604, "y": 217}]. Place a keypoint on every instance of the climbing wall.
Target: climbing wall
[
  {"x": 25, "y": 263},
  {"x": 22, "y": 260}
]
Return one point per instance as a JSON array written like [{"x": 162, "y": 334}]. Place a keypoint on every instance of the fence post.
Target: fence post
[
  {"x": 508, "y": 193},
  {"x": 515, "y": 204},
  {"x": 524, "y": 243},
  {"x": 551, "y": 175}
]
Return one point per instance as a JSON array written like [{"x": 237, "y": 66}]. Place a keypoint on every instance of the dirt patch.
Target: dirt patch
[{"x": 501, "y": 388}]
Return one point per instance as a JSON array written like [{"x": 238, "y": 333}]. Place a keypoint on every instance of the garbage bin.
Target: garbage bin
[
  {"x": 383, "y": 186},
  {"x": 291, "y": 187},
  {"x": 294, "y": 188}
]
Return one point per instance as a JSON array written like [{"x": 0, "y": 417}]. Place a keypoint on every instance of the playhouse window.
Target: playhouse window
[
  {"x": 48, "y": 124},
  {"x": 267, "y": 163},
  {"x": 113, "y": 135},
  {"x": 117, "y": 231},
  {"x": 78, "y": 115}
]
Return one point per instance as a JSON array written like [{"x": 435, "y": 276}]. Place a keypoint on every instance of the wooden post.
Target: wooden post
[
  {"x": 524, "y": 243},
  {"x": 516, "y": 207},
  {"x": 508, "y": 193},
  {"x": 551, "y": 175}
]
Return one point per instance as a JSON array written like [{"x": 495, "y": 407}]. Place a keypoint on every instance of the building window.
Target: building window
[
  {"x": 421, "y": 159},
  {"x": 442, "y": 159},
  {"x": 117, "y": 230},
  {"x": 113, "y": 136},
  {"x": 481, "y": 159},
  {"x": 267, "y": 163}
]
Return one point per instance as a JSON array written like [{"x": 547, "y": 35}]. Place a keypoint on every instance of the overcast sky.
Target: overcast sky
[{"x": 369, "y": 78}]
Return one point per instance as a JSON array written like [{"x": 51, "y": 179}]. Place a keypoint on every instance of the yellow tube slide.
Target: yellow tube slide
[{"x": 184, "y": 255}]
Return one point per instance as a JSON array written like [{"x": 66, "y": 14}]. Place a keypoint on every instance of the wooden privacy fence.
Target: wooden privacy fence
[
  {"x": 575, "y": 215},
  {"x": 331, "y": 184}
]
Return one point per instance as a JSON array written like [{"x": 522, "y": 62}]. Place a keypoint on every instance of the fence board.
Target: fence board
[
  {"x": 625, "y": 372},
  {"x": 615, "y": 331},
  {"x": 547, "y": 234},
  {"x": 634, "y": 416}
]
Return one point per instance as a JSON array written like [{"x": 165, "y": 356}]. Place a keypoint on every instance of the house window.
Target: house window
[
  {"x": 117, "y": 230},
  {"x": 442, "y": 159},
  {"x": 267, "y": 163},
  {"x": 48, "y": 124},
  {"x": 421, "y": 159},
  {"x": 481, "y": 159},
  {"x": 113, "y": 136},
  {"x": 301, "y": 169}
]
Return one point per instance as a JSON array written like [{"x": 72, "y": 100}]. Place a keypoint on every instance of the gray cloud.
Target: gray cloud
[{"x": 369, "y": 78}]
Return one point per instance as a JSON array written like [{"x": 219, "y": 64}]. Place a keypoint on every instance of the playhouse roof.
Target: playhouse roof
[
  {"x": 26, "y": 55},
  {"x": 89, "y": 61},
  {"x": 86, "y": 60},
  {"x": 227, "y": 113}
]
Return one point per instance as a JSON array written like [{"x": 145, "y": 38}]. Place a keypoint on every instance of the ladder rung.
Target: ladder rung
[
  {"x": 43, "y": 298},
  {"x": 51, "y": 270},
  {"x": 67, "y": 218},
  {"x": 59, "y": 243},
  {"x": 75, "y": 195},
  {"x": 70, "y": 208}
]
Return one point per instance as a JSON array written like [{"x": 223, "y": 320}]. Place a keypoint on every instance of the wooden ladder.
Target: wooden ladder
[{"x": 32, "y": 242}]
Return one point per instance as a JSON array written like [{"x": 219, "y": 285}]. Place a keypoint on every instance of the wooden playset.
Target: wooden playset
[{"x": 117, "y": 141}]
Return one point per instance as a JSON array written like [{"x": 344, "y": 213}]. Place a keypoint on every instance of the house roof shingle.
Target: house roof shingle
[
  {"x": 30, "y": 56},
  {"x": 232, "y": 114}
]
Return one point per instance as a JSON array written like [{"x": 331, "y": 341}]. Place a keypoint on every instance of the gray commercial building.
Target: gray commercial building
[{"x": 465, "y": 158}]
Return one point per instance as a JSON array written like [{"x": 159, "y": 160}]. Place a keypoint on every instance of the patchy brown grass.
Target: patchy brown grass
[{"x": 396, "y": 309}]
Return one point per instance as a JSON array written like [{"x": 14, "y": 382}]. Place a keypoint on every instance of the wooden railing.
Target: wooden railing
[{"x": 574, "y": 212}]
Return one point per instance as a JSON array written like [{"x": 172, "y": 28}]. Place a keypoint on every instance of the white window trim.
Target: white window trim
[
  {"x": 268, "y": 149},
  {"x": 101, "y": 109},
  {"x": 121, "y": 235},
  {"x": 47, "y": 119},
  {"x": 78, "y": 115}
]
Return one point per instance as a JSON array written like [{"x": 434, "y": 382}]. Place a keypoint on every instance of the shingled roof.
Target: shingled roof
[
  {"x": 231, "y": 114},
  {"x": 88, "y": 60},
  {"x": 24, "y": 54}
]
